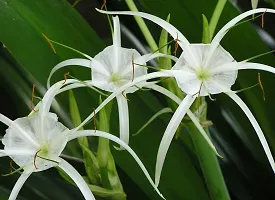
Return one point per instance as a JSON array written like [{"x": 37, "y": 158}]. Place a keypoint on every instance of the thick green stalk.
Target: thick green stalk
[
  {"x": 89, "y": 158},
  {"x": 215, "y": 17},
  {"x": 103, "y": 151},
  {"x": 208, "y": 161},
  {"x": 143, "y": 27},
  {"x": 109, "y": 176}
]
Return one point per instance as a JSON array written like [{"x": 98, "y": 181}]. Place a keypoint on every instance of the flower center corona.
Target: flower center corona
[
  {"x": 115, "y": 78},
  {"x": 203, "y": 74},
  {"x": 44, "y": 151}
]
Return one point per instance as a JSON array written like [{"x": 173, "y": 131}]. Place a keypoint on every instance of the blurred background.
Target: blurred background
[{"x": 25, "y": 59}]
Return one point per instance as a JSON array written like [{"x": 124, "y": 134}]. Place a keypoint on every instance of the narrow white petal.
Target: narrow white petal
[
  {"x": 255, "y": 125},
  {"x": 17, "y": 152},
  {"x": 166, "y": 92},
  {"x": 147, "y": 57},
  {"x": 50, "y": 94},
  {"x": 175, "y": 98},
  {"x": 164, "y": 73},
  {"x": 202, "y": 131},
  {"x": 116, "y": 44},
  {"x": 169, "y": 134},
  {"x": 75, "y": 85},
  {"x": 250, "y": 65},
  {"x": 121, "y": 143},
  {"x": 18, "y": 185},
  {"x": 123, "y": 113},
  {"x": 2, "y": 153},
  {"x": 48, "y": 99},
  {"x": 243, "y": 65},
  {"x": 216, "y": 40},
  {"x": 77, "y": 178},
  {"x": 235, "y": 20},
  {"x": 117, "y": 35},
  {"x": 175, "y": 33},
  {"x": 5, "y": 120},
  {"x": 70, "y": 62}
]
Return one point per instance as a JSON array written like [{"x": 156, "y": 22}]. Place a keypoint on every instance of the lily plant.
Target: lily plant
[
  {"x": 202, "y": 70},
  {"x": 36, "y": 142},
  {"x": 112, "y": 68}
]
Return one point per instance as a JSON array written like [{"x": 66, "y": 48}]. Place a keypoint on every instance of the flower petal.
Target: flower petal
[
  {"x": 235, "y": 20},
  {"x": 47, "y": 102},
  {"x": 175, "y": 98},
  {"x": 244, "y": 65},
  {"x": 117, "y": 35},
  {"x": 18, "y": 185},
  {"x": 175, "y": 33},
  {"x": 250, "y": 65},
  {"x": 18, "y": 129},
  {"x": 145, "y": 58},
  {"x": 164, "y": 73},
  {"x": 123, "y": 112},
  {"x": 77, "y": 178},
  {"x": 76, "y": 85},
  {"x": 115, "y": 65},
  {"x": 2, "y": 153},
  {"x": 5, "y": 120},
  {"x": 216, "y": 40},
  {"x": 17, "y": 152},
  {"x": 121, "y": 143},
  {"x": 256, "y": 127},
  {"x": 116, "y": 44},
  {"x": 70, "y": 62},
  {"x": 169, "y": 134}
]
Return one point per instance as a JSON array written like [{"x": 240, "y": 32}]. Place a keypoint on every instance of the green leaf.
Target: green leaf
[
  {"x": 52, "y": 18},
  {"x": 205, "y": 31},
  {"x": 91, "y": 166}
]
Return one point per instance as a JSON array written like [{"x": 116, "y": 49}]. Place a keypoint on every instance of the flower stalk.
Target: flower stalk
[{"x": 143, "y": 27}]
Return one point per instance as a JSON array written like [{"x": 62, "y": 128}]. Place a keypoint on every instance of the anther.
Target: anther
[
  {"x": 261, "y": 85},
  {"x": 34, "y": 159},
  {"x": 124, "y": 95},
  {"x": 262, "y": 15},
  {"x": 176, "y": 46},
  {"x": 199, "y": 101},
  {"x": 65, "y": 77},
  {"x": 133, "y": 68},
  {"x": 49, "y": 41},
  {"x": 11, "y": 167},
  {"x": 103, "y": 5},
  {"x": 31, "y": 103}
]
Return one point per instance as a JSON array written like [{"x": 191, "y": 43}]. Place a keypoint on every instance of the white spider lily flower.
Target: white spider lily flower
[
  {"x": 36, "y": 142},
  {"x": 204, "y": 69},
  {"x": 112, "y": 68}
]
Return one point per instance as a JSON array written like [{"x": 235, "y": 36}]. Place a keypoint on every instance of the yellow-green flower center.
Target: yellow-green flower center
[
  {"x": 202, "y": 74},
  {"x": 115, "y": 78},
  {"x": 44, "y": 150}
]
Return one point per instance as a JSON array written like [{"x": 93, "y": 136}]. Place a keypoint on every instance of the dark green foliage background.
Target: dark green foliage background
[{"x": 26, "y": 58}]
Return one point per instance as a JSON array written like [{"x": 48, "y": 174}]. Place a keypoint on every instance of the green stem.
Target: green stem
[
  {"x": 109, "y": 176},
  {"x": 143, "y": 27},
  {"x": 215, "y": 17},
  {"x": 210, "y": 167},
  {"x": 103, "y": 151},
  {"x": 208, "y": 160}
]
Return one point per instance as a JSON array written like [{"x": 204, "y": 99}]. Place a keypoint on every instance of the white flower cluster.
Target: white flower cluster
[{"x": 35, "y": 142}]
